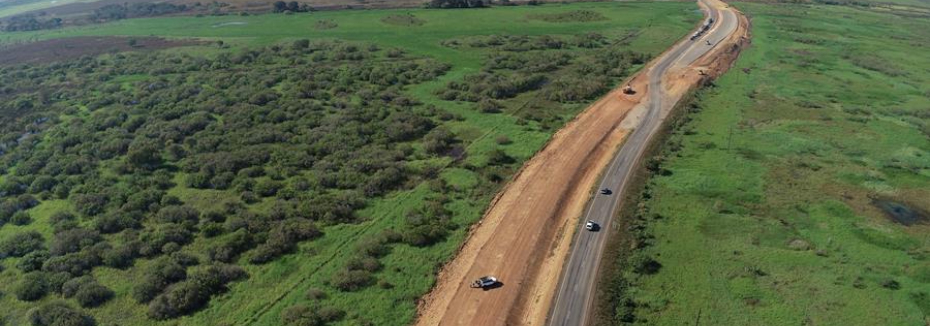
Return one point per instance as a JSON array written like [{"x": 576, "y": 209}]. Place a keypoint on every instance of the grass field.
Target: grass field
[
  {"x": 408, "y": 271},
  {"x": 766, "y": 212}
]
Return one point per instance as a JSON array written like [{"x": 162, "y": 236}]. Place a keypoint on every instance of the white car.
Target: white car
[
  {"x": 592, "y": 226},
  {"x": 485, "y": 282}
]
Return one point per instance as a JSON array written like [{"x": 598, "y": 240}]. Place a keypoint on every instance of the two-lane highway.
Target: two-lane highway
[{"x": 576, "y": 291}]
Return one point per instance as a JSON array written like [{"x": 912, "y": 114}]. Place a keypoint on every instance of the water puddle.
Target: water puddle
[{"x": 901, "y": 213}]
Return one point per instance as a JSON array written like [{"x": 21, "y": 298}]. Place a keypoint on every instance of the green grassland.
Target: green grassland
[
  {"x": 408, "y": 271},
  {"x": 762, "y": 212}
]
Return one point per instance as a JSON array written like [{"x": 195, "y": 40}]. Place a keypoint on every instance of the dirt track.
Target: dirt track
[{"x": 526, "y": 233}]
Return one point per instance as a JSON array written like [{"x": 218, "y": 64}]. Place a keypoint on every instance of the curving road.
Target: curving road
[{"x": 575, "y": 294}]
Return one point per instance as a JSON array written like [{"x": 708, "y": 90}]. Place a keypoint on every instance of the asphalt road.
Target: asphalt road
[{"x": 575, "y": 294}]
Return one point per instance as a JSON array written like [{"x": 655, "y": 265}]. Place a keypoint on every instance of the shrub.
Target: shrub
[
  {"x": 301, "y": 315},
  {"x": 438, "y": 141},
  {"x": 178, "y": 215},
  {"x": 62, "y": 220},
  {"x": 161, "y": 273},
  {"x": 22, "y": 243},
  {"x": 283, "y": 238},
  {"x": 77, "y": 263},
  {"x": 89, "y": 204},
  {"x": 352, "y": 280},
  {"x": 86, "y": 291},
  {"x": 185, "y": 259},
  {"x": 211, "y": 229},
  {"x": 117, "y": 221},
  {"x": 21, "y": 218},
  {"x": 154, "y": 240},
  {"x": 32, "y": 261},
  {"x": 73, "y": 240},
  {"x": 191, "y": 295},
  {"x": 369, "y": 264},
  {"x": 32, "y": 287},
  {"x": 234, "y": 244},
  {"x": 424, "y": 235},
  {"x": 489, "y": 106},
  {"x": 119, "y": 257},
  {"x": 42, "y": 183},
  {"x": 267, "y": 188},
  {"x": 499, "y": 157},
  {"x": 315, "y": 294},
  {"x": 58, "y": 313},
  {"x": 503, "y": 140},
  {"x": 93, "y": 295}
]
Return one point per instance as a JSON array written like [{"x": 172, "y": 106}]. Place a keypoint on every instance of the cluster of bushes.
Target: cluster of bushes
[
  {"x": 560, "y": 69},
  {"x": 29, "y": 22},
  {"x": 57, "y": 313},
  {"x": 135, "y": 10},
  {"x": 193, "y": 293},
  {"x": 272, "y": 128},
  {"x": 455, "y": 4},
  {"x": 292, "y": 6},
  {"x": 494, "y": 86}
]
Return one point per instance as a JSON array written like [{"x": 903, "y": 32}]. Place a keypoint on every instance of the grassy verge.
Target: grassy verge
[{"x": 766, "y": 210}]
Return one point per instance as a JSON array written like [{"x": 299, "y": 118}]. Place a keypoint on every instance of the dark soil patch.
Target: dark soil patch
[
  {"x": 901, "y": 213},
  {"x": 75, "y": 47}
]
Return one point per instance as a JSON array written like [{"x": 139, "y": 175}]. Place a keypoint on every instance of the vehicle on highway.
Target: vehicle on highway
[
  {"x": 592, "y": 226},
  {"x": 485, "y": 282},
  {"x": 606, "y": 191}
]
